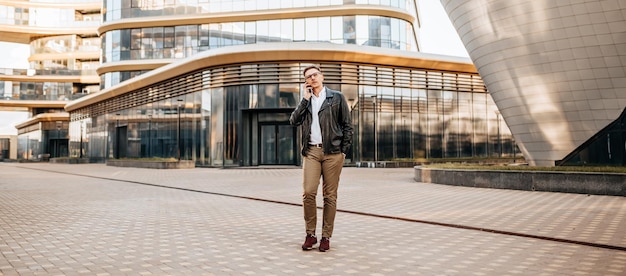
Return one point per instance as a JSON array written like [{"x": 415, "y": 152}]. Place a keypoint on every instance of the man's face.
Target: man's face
[{"x": 314, "y": 78}]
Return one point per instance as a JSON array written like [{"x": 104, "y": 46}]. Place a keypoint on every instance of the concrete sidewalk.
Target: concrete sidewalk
[{"x": 59, "y": 219}]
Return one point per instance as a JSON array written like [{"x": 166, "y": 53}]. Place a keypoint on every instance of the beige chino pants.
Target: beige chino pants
[{"x": 328, "y": 166}]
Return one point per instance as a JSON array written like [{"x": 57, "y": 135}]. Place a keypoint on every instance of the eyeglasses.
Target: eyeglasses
[{"x": 316, "y": 74}]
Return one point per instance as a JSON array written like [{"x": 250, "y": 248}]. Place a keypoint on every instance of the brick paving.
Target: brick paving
[{"x": 91, "y": 219}]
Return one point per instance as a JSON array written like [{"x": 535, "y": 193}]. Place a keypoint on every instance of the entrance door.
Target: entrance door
[
  {"x": 121, "y": 148},
  {"x": 277, "y": 144},
  {"x": 58, "y": 148}
]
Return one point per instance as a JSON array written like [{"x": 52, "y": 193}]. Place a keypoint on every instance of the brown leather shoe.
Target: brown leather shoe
[
  {"x": 309, "y": 241},
  {"x": 324, "y": 244}
]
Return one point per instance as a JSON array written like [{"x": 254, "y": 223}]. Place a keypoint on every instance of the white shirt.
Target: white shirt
[{"x": 316, "y": 130}]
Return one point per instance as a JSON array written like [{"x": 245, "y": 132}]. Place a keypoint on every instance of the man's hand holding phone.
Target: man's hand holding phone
[{"x": 308, "y": 91}]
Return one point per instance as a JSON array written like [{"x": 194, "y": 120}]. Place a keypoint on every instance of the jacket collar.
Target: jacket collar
[{"x": 329, "y": 95}]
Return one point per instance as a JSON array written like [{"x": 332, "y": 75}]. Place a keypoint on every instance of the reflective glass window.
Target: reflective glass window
[
  {"x": 191, "y": 40},
  {"x": 217, "y": 127},
  {"x": 180, "y": 33},
  {"x": 204, "y": 35},
  {"x": 336, "y": 33},
  {"x": 395, "y": 31},
  {"x": 286, "y": 30},
  {"x": 465, "y": 133},
  {"x": 125, "y": 42},
  {"x": 311, "y": 29},
  {"x": 250, "y": 31},
  {"x": 368, "y": 123},
  {"x": 238, "y": 31},
  {"x": 323, "y": 27},
  {"x": 268, "y": 96},
  {"x": 157, "y": 42},
  {"x": 263, "y": 32},
  {"x": 385, "y": 124},
  {"x": 289, "y": 95},
  {"x": 349, "y": 29},
  {"x": 168, "y": 37},
  {"x": 479, "y": 123},
  {"x": 298, "y": 24},
  {"x": 274, "y": 30},
  {"x": 402, "y": 130},
  {"x": 362, "y": 30}
]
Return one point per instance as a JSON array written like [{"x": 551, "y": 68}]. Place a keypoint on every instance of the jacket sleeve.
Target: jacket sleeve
[
  {"x": 346, "y": 125},
  {"x": 298, "y": 115}
]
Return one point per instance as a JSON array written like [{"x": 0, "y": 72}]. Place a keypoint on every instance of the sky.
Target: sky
[
  {"x": 14, "y": 55},
  {"x": 437, "y": 36}
]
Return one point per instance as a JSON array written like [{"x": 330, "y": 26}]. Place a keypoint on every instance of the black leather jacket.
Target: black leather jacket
[{"x": 335, "y": 123}]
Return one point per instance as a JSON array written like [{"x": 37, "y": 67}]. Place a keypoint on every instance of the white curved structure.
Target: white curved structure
[{"x": 555, "y": 69}]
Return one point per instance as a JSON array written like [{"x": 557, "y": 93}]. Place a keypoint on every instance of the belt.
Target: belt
[{"x": 315, "y": 145}]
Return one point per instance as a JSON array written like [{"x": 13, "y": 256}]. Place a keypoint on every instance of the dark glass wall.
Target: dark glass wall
[
  {"x": 404, "y": 123},
  {"x": 220, "y": 116},
  {"x": 606, "y": 148}
]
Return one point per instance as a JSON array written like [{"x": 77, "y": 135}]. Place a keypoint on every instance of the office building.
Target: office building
[{"x": 64, "y": 55}]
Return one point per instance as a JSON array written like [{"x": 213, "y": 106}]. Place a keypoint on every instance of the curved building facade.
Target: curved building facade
[
  {"x": 216, "y": 81},
  {"x": 139, "y": 38},
  {"x": 555, "y": 69}
]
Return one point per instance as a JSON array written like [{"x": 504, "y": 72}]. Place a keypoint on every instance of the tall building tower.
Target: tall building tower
[
  {"x": 556, "y": 70},
  {"x": 64, "y": 56}
]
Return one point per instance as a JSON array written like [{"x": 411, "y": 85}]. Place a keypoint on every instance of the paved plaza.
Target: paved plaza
[{"x": 93, "y": 219}]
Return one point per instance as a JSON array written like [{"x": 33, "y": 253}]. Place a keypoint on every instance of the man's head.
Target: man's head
[{"x": 313, "y": 76}]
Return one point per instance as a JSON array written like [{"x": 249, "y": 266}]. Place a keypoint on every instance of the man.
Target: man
[{"x": 326, "y": 127}]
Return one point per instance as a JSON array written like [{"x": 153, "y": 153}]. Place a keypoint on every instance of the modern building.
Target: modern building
[
  {"x": 64, "y": 56},
  {"x": 216, "y": 81},
  {"x": 557, "y": 72}
]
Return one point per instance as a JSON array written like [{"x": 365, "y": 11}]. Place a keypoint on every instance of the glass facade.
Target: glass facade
[
  {"x": 121, "y": 9},
  {"x": 48, "y": 138},
  {"x": 67, "y": 47},
  {"x": 62, "y": 68},
  {"x": 54, "y": 56},
  {"x": 51, "y": 17},
  {"x": 44, "y": 91},
  {"x": 238, "y": 116},
  {"x": 169, "y": 42}
]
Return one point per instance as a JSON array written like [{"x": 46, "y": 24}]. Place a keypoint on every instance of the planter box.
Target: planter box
[
  {"x": 63, "y": 160},
  {"x": 386, "y": 164},
  {"x": 150, "y": 164},
  {"x": 568, "y": 182}
]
